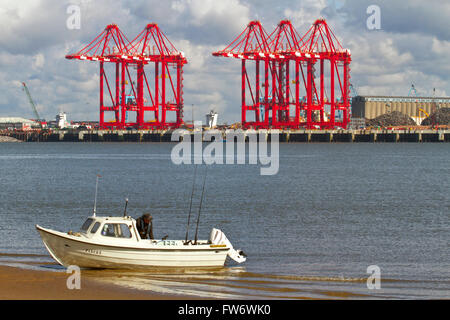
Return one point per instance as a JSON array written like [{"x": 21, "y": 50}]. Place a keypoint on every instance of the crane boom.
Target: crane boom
[
  {"x": 36, "y": 114},
  {"x": 424, "y": 112}
]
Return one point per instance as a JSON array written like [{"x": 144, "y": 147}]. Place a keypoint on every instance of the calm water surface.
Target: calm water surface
[{"x": 309, "y": 231}]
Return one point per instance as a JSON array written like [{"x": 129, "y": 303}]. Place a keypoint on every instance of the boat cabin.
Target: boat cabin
[{"x": 110, "y": 227}]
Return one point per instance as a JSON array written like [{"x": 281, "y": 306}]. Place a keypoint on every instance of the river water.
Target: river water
[{"x": 310, "y": 231}]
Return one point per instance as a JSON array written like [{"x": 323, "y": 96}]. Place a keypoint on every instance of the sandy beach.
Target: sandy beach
[{"x": 25, "y": 284}]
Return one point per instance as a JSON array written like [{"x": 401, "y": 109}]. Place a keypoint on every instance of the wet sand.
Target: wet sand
[{"x": 25, "y": 284}]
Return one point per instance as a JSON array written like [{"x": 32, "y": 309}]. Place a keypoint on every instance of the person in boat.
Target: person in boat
[{"x": 144, "y": 225}]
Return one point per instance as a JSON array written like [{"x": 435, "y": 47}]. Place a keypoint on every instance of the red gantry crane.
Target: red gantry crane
[
  {"x": 165, "y": 92},
  {"x": 151, "y": 46},
  {"x": 284, "y": 43},
  {"x": 321, "y": 46},
  {"x": 313, "y": 105},
  {"x": 252, "y": 45},
  {"x": 108, "y": 47}
]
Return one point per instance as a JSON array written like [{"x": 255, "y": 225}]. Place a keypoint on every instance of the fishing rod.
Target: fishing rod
[
  {"x": 200, "y": 206},
  {"x": 190, "y": 206},
  {"x": 125, "y": 210},
  {"x": 95, "y": 199}
]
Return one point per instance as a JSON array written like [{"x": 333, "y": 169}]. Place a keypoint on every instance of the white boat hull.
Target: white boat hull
[{"x": 76, "y": 250}]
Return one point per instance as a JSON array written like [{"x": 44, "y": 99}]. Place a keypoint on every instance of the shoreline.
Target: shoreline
[{"x": 24, "y": 284}]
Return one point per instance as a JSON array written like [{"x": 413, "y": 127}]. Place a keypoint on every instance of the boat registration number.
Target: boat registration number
[
  {"x": 167, "y": 242},
  {"x": 92, "y": 251}
]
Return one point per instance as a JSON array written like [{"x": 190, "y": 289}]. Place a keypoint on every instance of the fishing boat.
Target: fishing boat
[{"x": 114, "y": 242}]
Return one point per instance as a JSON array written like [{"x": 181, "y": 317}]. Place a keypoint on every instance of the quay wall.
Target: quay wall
[{"x": 291, "y": 136}]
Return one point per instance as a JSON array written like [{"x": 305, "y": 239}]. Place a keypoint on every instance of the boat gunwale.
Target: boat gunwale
[{"x": 55, "y": 233}]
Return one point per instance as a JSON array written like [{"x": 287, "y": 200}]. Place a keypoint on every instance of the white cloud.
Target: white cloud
[
  {"x": 38, "y": 61},
  {"x": 390, "y": 54},
  {"x": 229, "y": 13},
  {"x": 305, "y": 15},
  {"x": 440, "y": 47}
]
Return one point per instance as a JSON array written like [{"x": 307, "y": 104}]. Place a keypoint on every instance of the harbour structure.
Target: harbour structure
[
  {"x": 334, "y": 63},
  {"x": 131, "y": 89},
  {"x": 252, "y": 46},
  {"x": 314, "y": 103},
  {"x": 18, "y": 123},
  {"x": 109, "y": 47},
  {"x": 394, "y": 134},
  {"x": 61, "y": 120},
  {"x": 211, "y": 119},
  {"x": 418, "y": 108},
  {"x": 38, "y": 119},
  {"x": 164, "y": 94}
]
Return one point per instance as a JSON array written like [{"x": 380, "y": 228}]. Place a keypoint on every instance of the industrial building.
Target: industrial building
[
  {"x": 211, "y": 119},
  {"x": 418, "y": 108},
  {"x": 17, "y": 123}
]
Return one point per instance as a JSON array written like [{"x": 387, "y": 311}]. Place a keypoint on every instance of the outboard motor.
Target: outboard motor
[{"x": 218, "y": 237}]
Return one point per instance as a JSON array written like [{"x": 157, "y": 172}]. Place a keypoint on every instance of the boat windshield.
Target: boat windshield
[
  {"x": 95, "y": 227},
  {"x": 86, "y": 224},
  {"x": 118, "y": 230}
]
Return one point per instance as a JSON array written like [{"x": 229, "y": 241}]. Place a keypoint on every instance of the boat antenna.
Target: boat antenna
[
  {"x": 95, "y": 199},
  {"x": 190, "y": 205},
  {"x": 200, "y": 206},
  {"x": 125, "y": 210}
]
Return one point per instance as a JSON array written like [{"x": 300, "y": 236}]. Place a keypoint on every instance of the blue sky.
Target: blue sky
[{"x": 412, "y": 46}]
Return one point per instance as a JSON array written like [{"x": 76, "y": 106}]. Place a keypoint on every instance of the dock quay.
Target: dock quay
[{"x": 287, "y": 136}]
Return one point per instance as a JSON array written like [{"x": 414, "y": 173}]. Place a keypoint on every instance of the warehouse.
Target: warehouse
[
  {"x": 17, "y": 123},
  {"x": 418, "y": 108}
]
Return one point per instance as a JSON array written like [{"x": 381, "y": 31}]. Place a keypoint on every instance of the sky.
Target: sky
[{"x": 411, "y": 46}]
